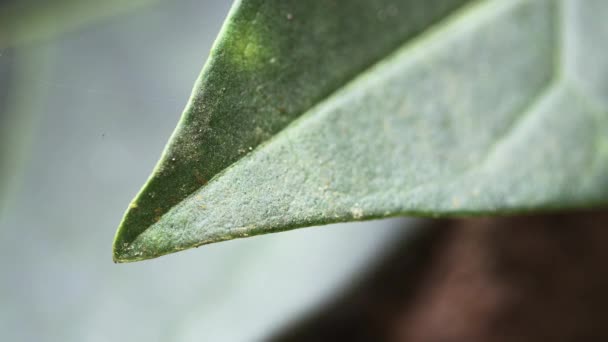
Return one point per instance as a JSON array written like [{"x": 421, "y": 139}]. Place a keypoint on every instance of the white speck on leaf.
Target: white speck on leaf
[{"x": 357, "y": 213}]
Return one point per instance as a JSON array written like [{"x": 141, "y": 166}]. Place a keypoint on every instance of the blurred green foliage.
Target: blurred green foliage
[{"x": 27, "y": 21}]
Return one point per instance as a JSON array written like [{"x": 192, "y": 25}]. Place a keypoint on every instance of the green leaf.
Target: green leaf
[{"x": 316, "y": 112}]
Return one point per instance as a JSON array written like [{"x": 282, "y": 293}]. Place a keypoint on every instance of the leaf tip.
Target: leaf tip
[
  {"x": 125, "y": 252},
  {"x": 123, "y": 247},
  {"x": 120, "y": 248}
]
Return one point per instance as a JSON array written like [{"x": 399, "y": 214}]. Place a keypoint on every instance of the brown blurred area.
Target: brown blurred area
[{"x": 532, "y": 278}]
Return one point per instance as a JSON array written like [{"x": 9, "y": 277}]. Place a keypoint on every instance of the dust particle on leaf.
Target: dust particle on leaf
[{"x": 357, "y": 213}]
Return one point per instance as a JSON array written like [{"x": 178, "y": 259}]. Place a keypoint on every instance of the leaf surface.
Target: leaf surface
[{"x": 316, "y": 112}]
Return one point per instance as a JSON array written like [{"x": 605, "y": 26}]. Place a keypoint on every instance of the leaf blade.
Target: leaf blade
[
  {"x": 266, "y": 69},
  {"x": 363, "y": 154}
]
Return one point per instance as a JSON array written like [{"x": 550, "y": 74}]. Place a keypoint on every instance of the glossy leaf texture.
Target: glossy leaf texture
[{"x": 316, "y": 112}]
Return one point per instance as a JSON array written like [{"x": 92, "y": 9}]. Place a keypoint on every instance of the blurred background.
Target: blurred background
[{"x": 89, "y": 93}]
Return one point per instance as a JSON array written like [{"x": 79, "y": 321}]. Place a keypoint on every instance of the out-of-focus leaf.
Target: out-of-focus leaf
[
  {"x": 26, "y": 21},
  {"x": 19, "y": 112},
  {"x": 440, "y": 107}
]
